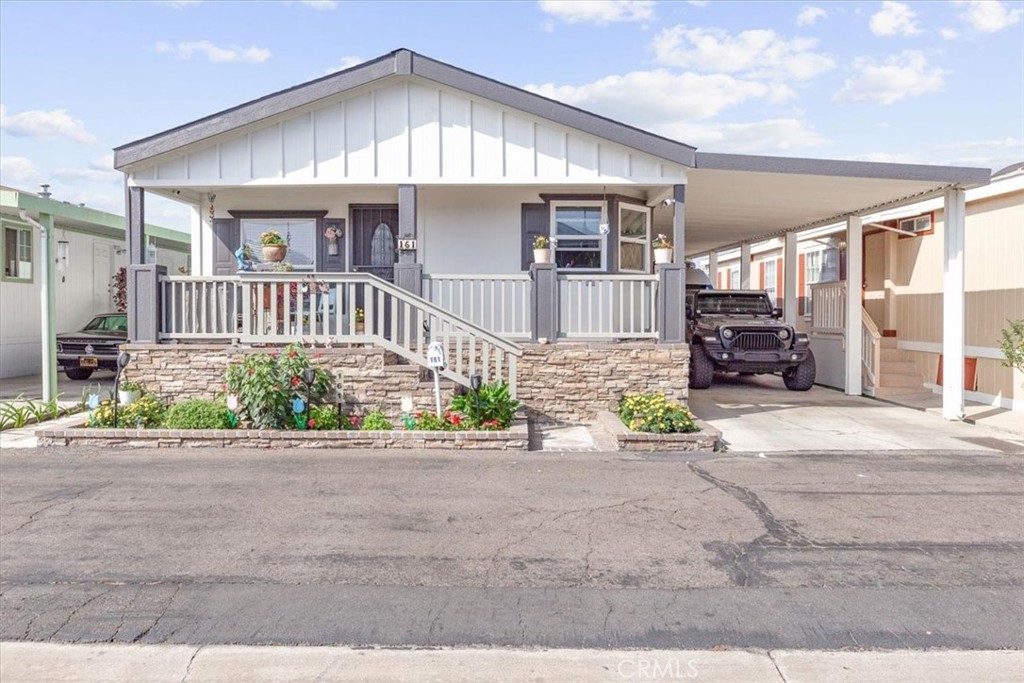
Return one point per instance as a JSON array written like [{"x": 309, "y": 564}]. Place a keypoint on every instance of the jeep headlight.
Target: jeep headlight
[
  {"x": 783, "y": 334},
  {"x": 727, "y": 333}
]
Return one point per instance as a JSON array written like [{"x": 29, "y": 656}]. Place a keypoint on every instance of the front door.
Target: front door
[{"x": 375, "y": 251}]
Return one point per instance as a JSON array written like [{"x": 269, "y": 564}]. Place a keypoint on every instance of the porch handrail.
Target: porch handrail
[
  {"x": 394, "y": 318},
  {"x": 871, "y": 349}
]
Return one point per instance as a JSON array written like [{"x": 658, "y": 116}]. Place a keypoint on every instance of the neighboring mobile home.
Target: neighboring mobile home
[
  {"x": 410, "y": 191},
  {"x": 90, "y": 249}
]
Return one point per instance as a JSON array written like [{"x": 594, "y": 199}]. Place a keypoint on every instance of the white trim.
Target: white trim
[
  {"x": 601, "y": 240},
  {"x": 424, "y": 181},
  {"x": 936, "y": 347},
  {"x": 645, "y": 240},
  {"x": 1014, "y": 404}
]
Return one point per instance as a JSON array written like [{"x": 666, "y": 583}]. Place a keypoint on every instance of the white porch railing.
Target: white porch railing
[
  {"x": 607, "y": 306},
  {"x": 871, "y": 351},
  {"x": 828, "y": 307},
  {"x": 288, "y": 307},
  {"x": 499, "y": 303}
]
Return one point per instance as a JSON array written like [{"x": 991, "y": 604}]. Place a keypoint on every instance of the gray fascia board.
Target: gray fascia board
[
  {"x": 560, "y": 113},
  {"x": 959, "y": 175},
  {"x": 402, "y": 62},
  {"x": 255, "y": 110}
]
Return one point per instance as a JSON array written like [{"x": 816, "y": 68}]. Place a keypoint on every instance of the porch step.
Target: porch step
[
  {"x": 902, "y": 380},
  {"x": 889, "y": 342},
  {"x": 892, "y": 353},
  {"x": 898, "y": 367},
  {"x": 884, "y": 392}
]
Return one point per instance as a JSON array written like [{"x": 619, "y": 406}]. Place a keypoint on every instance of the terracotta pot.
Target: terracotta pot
[
  {"x": 542, "y": 256},
  {"x": 663, "y": 256},
  {"x": 274, "y": 252}
]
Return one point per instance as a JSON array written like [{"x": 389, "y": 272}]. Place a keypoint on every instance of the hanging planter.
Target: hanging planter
[{"x": 332, "y": 234}]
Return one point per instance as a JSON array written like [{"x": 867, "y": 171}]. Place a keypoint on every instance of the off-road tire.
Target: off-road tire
[
  {"x": 702, "y": 371},
  {"x": 801, "y": 378},
  {"x": 78, "y": 373}
]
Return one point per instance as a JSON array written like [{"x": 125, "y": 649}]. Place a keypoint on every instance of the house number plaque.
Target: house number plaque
[{"x": 406, "y": 245}]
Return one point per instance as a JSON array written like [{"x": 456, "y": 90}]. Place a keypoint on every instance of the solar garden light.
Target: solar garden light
[
  {"x": 122, "y": 361},
  {"x": 309, "y": 376}
]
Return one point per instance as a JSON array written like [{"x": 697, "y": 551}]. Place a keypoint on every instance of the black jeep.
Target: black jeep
[{"x": 739, "y": 331}]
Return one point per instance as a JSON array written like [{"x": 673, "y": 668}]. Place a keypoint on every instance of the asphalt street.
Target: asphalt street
[{"x": 844, "y": 550}]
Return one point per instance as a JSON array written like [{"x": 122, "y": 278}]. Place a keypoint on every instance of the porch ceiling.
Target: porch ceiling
[{"x": 736, "y": 198}]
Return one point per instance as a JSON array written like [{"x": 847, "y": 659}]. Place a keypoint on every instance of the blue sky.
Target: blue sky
[{"x": 920, "y": 82}]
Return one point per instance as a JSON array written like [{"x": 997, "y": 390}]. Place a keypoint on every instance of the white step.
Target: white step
[
  {"x": 894, "y": 354},
  {"x": 897, "y": 367},
  {"x": 902, "y": 380},
  {"x": 883, "y": 392},
  {"x": 888, "y": 342}
]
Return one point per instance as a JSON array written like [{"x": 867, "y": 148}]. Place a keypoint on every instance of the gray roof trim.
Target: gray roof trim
[
  {"x": 960, "y": 175},
  {"x": 402, "y": 62}
]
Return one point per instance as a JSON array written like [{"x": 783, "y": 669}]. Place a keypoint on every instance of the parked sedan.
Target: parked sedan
[{"x": 94, "y": 347}]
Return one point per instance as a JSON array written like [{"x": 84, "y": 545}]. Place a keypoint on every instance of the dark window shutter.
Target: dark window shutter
[
  {"x": 226, "y": 239},
  {"x": 534, "y": 222},
  {"x": 331, "y": 263}
]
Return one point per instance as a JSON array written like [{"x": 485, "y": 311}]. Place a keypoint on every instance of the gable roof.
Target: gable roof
[{"x": 402, "y": 62}]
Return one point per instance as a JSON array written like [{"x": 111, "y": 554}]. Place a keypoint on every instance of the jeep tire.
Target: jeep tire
[
  {"x": 702, "y": 371},
  {"x": 78, "y": 373},
  {"x": 801, "y": 378}
]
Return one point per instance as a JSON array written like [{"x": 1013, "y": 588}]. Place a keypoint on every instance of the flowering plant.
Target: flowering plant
[
  {"x": 271, "y": 238},
  {"x": 332, "y": 233},
  {"x": 656, "y": 414},
  {"x": 542, "y": 242},
  {"x": 360, "y": 315},
  {"x": 662, "y": 242}
]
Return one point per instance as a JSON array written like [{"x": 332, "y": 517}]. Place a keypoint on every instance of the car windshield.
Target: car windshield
[
  {"x": 721, "y": 303},
  {"x": 107, "y": 323}
]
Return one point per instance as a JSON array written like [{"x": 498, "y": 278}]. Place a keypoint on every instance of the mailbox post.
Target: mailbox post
[{"x": 436, "y": 361}]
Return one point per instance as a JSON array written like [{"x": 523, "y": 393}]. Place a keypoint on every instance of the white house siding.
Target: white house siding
[
  {"x": 81, "y": 293},
  {"x": 407, "y": 130}
]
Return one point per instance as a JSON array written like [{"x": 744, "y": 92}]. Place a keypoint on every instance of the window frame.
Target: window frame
[
  {"x": 317, "y": 216},
  {"x": 19, "y": 229},
  {"x": 600, "y": 239},
  {"x": 648, "y": 256},
  {"x": 916, "y": 233},
  {"x": 771, "y": 269}
]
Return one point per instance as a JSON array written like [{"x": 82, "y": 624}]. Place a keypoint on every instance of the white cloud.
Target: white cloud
[
  {"x": 344, "y": 63},
  {"x": 653, "y": 99},
  {"x": 19, "y": 172},
  {"x": 755, "y": 137},
  {"x": 810, "y": 14},
  {"x": 949, "y": 33},
  {"x": 599, "y": 12},
  {"x": 55, "y": 124},
  {"x": 214, "y": 53},
  {"x": 906, "y": 74},
  {"x": 994, "y": 154},
  {"x": 698, "y": 3},
  {"x": 178, "y": 4},
  {"x": 320, "y": 4},
  {"x": 760, "y": 53},
  {"x": 894, "y": 19},
  {"x": 988, "y": 16},
  {"x": 100, "y": 170}
]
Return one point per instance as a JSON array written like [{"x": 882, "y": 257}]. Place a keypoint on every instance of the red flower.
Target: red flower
[
  {"x": 311, "y": 424},
  {"x": 355, "y": 420},
  {"x": 419, "y": 415},
  {"x": 251, "y": 371},
  {"x": 296, "y": 381},
  {"x": 291, "y": 354},
  {"x": 455, "y": 419}
]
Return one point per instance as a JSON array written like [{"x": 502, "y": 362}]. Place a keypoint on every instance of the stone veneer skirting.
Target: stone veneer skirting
[{"x": 564, "y": 382}]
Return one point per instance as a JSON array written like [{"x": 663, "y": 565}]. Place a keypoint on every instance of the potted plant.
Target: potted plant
[
  {"x": 662, "y": 249},
  {"x": 542, "y": 249},
  {"x": 360, "y": 321},
  {"x": 128, "y": 391},
  {"x": 275, "y": 248}
]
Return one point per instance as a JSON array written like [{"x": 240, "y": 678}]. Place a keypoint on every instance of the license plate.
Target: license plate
[{"x": 88, "y": 362}]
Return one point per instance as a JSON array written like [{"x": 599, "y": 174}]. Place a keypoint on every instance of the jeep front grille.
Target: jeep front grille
[{"x": 758, "y": 341}]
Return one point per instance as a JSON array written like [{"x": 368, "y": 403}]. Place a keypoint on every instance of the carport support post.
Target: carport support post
[
  {"x": 854, "y": 276},
  {"x": 745, "y": 265},
  {"x": 713, "y": 268},
  {"x": 789, "y": 280},
  {"x": 953, "y": 306},
  {"x": 48, "y": 296}
]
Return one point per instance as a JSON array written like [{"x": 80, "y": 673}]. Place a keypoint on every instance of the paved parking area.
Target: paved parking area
[
  {"x": 30, "y": 386},
  {"x": 758, "y": 414}
]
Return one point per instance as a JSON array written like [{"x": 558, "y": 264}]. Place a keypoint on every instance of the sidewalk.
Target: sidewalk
[
  {"x": 22, "y": 662},
  {"x": 25, "y": 437}
]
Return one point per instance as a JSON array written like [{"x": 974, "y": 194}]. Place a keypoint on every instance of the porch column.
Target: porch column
[
  {"x": 953, "y": 306},
  {"x": 408, "y": 273},
  {"x": 144, "y": 302},
  {"x": 891, "y": 243},
  {"x": 789, "y": 278},
  {"x": 745, "y": 265},
  {"x": 679, "y": 223},
  {"x": 854, "y": 276},
  {"x": 671, "y": 304},
  {"x": 544, "y": 301},
  {"x": 135, "y": 230},
  {"x": 713, "y": 268}
]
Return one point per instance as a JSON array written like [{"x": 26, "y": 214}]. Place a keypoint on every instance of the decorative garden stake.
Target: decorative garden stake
[
  {"x": 232, "y": 402},
  {"x": 298, "y": 409},
  {"x": 93, "y": 402},
  {"x": 407, "y": 418}
]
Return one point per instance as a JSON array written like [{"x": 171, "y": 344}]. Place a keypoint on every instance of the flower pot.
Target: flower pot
[
  {"x": 662, "y": 256},
  {"x": 360, "y": 327},
  {"x": 542, "y": 256},
  {"x": 127, "y": 397},
  {"x": 332, "y": 247},
  {"x": 274, "y": 252}
]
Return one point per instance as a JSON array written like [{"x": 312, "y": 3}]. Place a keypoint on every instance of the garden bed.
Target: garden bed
[
  {"x": 708, "y": 439},
  {"x": 514, "y": 438}
]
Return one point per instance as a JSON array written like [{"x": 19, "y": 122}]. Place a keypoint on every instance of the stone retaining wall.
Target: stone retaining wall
[{"x": 708, "y": 439}]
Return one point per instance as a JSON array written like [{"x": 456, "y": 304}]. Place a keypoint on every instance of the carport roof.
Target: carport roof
[{"x": 735, "y": 198}]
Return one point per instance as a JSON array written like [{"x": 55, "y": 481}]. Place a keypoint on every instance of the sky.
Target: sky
[{"x": 916, "y": 82}]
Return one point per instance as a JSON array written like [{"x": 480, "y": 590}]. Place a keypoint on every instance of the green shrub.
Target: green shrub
[
  {"x": 1011, "y": 344},
  {"x": 265, "y": 385},
  {"x": 655, "y": 413},
  {"x": 197, "y": 413},
  {"x": 490, "y": 408},
  {"x": 146, "y": 412},
  {"x": 376, "y": 421}
]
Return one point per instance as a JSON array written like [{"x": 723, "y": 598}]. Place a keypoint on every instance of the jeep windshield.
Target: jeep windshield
[{"x": 722, "y": 303}]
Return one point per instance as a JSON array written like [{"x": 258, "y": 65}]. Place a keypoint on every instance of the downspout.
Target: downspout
[{"x": 48, "y": 305}]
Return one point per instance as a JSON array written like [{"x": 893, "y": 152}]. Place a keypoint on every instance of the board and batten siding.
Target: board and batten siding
[{"x": 408, "y": 131}]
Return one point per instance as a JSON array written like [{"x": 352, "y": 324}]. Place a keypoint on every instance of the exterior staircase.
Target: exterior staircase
[{"x": 898, "y": 374}]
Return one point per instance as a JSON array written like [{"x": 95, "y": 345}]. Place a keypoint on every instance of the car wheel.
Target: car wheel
[
  {"x": 702, "y": 371},
  {"x": 78, "y": 373},
  {"x": 801, "y": 378}
]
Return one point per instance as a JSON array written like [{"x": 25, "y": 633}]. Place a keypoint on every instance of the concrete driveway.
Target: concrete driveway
[
  {"x": 31, "y": 386},
  {"x": 758, "y": 414}
]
